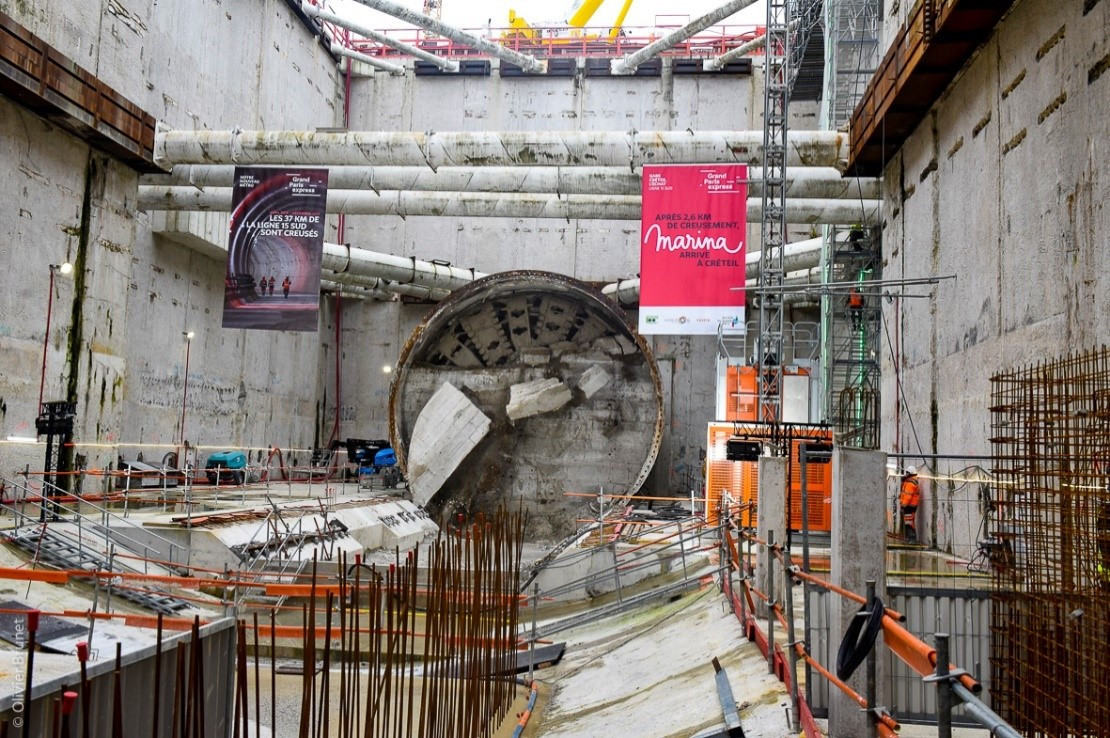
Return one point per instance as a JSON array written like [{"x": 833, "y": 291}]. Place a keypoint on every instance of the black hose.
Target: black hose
[{"x": 854, "y": 648}]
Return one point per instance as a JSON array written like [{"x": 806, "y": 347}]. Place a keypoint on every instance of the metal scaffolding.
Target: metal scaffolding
[
  {"x": 852, "y": 327},
  {"x": 790, "y": 24},
  {"x": 776, "y": 108}
]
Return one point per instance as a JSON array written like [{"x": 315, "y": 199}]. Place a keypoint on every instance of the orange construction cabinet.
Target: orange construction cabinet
[{"x": 740, "y": 479}]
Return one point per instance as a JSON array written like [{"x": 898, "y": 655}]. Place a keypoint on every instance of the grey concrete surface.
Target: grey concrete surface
[
  {"x": 771, "y": 508},
  {"x": 1004, "y": 185},
  {"x": 858, "y": 555}
]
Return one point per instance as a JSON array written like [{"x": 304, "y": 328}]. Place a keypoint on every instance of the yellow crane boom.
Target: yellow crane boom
[{"x": 580, "y": 14}]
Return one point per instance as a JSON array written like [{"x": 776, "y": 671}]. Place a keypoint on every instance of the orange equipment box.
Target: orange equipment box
[{"x": 741, "y": 478}]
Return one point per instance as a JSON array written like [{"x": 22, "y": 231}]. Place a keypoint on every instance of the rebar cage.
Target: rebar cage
[{"x": 1050, "y": 629}]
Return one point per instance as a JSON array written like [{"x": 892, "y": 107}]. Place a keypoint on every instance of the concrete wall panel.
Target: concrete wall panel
[{"x": 1002, "y": 184}]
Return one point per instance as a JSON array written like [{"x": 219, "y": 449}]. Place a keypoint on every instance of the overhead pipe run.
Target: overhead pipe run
[
  {"x": 811, "y": 211},
  {"x": 801, "y": 181},
  {"x": 345, "y": 259},
  {"x": 757, "y": 43},
  {"x": 384, "y": 289},
  {"x": 527, "y": 63},
  {"x": 395, "y": 69},
  {"x": 315, "y": 11},
  {"x": 490, "y": 148},
  {"x": 629, "y": 63}
]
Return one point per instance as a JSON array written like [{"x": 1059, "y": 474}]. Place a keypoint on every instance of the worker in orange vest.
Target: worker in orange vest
[
  {"x": 908, "y": 500},
  {"x": 855, "y": 308}
]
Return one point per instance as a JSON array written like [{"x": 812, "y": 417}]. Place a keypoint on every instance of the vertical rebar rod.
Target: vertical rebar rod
[
  {"x": 156, "y": 704},
  {"x": 788, "y": 596}
]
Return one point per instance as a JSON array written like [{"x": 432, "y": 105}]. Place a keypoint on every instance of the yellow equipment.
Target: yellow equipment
[{"x": 580, "y": 14}]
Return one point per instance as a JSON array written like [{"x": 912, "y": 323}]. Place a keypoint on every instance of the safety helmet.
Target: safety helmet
[{"x": 911, "y": 471}]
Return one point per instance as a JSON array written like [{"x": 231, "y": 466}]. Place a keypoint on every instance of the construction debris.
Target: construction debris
[
  {"x": 448, "y": 428},
  {"x": 536, "y": 397}
]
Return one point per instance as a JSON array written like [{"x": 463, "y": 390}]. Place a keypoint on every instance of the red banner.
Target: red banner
[{"x": 692, "y": 248}]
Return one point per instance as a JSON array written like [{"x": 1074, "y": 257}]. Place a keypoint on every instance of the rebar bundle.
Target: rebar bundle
[
  {"x": 1050, "y": 546},
  {"x": 412, "y": 650}
]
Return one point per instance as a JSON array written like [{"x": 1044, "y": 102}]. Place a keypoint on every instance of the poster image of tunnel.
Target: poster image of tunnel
[
  {"x": 692, "y": 247},
  {"x": 274, "y": 249}
]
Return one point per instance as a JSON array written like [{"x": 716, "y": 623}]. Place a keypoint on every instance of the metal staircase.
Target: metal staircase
[{"x": 60, "y": 551}]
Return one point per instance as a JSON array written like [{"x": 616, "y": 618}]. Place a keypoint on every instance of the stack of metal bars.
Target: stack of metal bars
[{"x": 1050, "y": 546}]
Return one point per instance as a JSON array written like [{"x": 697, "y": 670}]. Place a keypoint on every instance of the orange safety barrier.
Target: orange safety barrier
[{"x": 34, "y": 575}]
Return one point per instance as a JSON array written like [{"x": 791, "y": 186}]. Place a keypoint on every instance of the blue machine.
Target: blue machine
[
  {"x": 374, "y": 459},
  {"x": 226, "y": 467}
]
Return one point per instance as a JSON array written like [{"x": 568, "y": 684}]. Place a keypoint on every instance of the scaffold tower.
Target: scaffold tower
[{"x": 851, "y": 318}]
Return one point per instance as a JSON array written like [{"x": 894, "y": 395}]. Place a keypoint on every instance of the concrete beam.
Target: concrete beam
[
  {"x": 447, "y": 429},
  {"x": 858, "y": 555},
  {"x": 771, "y": 518}
]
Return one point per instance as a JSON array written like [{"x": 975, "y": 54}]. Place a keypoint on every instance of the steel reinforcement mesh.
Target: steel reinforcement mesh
[{"x": 1050, "y": 624}]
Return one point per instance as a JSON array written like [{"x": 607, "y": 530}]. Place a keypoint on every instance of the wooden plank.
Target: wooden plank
[
  {"x": 914, "y": 73},
  {"x": 45, "y": 81}
]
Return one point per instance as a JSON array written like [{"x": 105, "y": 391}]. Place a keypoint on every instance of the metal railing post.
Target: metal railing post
[
  {"x": 126, "y": 491},
  {"x": 944, "y": 688},
  {"x": 682, "y": 550},
  {"x": 791, "y": 640},
  {"x": 532, "y": 640},
  {"x": 871, "y": 687},
  {"x": 771, "y": 601}
]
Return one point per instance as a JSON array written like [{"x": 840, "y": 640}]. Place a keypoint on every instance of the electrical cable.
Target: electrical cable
[{"x": 901, "y": 390}]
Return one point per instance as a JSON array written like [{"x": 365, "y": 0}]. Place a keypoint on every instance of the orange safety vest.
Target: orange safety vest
[
  {"x": 855, "y": 300},
  {"x": 911, "y": 493}
]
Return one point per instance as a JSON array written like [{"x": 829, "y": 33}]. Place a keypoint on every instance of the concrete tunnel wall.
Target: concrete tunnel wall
[
  {"x": 191, "y": 65},
  {"x": 1004, "y": 183}
]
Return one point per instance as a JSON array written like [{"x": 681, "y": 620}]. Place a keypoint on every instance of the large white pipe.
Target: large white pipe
[
  {"x": 404, "y": 270},
  {"x": 400, "y": 12},
  {"x": 798, "y": 255},
  {"x": 810, "y": 211},
  {"x": 712, "y": 65},
  {"x": 801, "y": 182},
  {"x": 394, "y": 69},
  {"x": 386, "y": 288},
  {"x": 759, "y": 42},
  {"x": 629, "y": 63},
  {"x": 489, "y": 148},
  {"x": 316, "y": 11}
]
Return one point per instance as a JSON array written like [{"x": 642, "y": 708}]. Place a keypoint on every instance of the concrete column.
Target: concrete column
[
  {"x": 770, "y": 516},
  {"x": 858, "y": 554}
]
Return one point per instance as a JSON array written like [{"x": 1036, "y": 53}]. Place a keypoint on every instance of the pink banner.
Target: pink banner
[{"x": 692, "y": 248}]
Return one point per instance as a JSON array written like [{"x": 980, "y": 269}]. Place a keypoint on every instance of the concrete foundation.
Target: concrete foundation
[{"x": 858, "y": 555}]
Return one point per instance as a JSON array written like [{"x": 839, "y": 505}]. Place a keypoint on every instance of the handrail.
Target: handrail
[
  {"x": 917, "y": 654},
  {"x": 52, "y": 504}
]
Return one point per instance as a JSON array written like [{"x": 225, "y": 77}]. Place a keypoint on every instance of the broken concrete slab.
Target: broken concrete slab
[
  {"x": 447, "y": 429},
  {"x": 592, "y": 380},
  {"x": 536, "y": 397}
]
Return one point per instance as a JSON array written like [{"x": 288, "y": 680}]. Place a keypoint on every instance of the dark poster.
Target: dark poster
[{"x": 274, "y": 249}]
